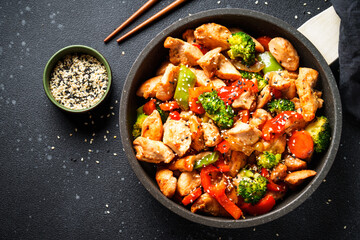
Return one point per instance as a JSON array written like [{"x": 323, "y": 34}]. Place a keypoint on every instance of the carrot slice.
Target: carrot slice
[{"x": 301, "y": 144}]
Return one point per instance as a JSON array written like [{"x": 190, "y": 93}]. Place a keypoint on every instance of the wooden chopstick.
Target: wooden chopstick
[
  {"x": 141, "y": 10},
  {"x": 154, "y": 17}
]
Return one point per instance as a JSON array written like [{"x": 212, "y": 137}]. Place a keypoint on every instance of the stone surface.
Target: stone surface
[{"x": 66, "y": 176}]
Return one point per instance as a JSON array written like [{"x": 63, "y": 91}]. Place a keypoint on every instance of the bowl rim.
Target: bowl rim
[
  {"x": 58, "y": 56},
  {"x": 216, "y": 221}
]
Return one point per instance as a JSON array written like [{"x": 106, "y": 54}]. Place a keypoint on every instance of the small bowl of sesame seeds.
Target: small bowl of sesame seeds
[{"x": 77, "y": 78}]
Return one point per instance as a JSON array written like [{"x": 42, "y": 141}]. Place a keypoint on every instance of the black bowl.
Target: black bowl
[{"x": 256, "y": 24}]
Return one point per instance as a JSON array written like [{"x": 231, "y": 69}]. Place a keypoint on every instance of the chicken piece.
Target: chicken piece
[
  {"x": 177, "y": 136},
  {"x": 182, "y": 52},
  {"x": 210, "y": 62},
  {"x": 280, "y": 80},
  {"x": 166, "y": 87},
  {"x": 162, "y": 68},
  {"x": 264, "y": 97},
  {"x": 186, "y": 115},
  {"x": 296, "y": 102},
  {"x": 237, "y": 161},
  {"x": 276, "y": 145},
  {"x": 186, "y": 164},
  {"x": 279, "y": 173},
  {"x": 197, "y": 134},
  {"x": 308, "y": 99},
  {"x": 226, "y": 69},
  {"x": 207, "y": 204},
  {"x": 212, "y": 35},
  {"x": 284, "y": 52},
  {"x": 294, "y": 164},
  {"x": 166, "y": 182},
  {"x": 292, "y": 75},
  {"x": 318, "y": 94},
  {"x": 203, "y": 80},
  {"x": 242, "y": 137},
  {"x": 296, "y": 178},
  {"x": 189, "y": 36},
  {"x": 152, "y": 127},
  {"x": 217, "y": 83},
  {"x": 148, "y": 150},
  {"x": 259, "y": 118},
  {"x": 247, "y": 100},
  {"x": 297, "y": 124},
  {"x": 187, "y": 182},
  {"x": 244, "y": 133},
  {"x": 214, "y": 63},
  {"x": 211, "y": 134},
  {"x": 148, "y": 88}
]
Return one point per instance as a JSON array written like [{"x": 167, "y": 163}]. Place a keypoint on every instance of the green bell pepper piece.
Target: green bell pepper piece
[
  {"x": 207, "y": 160},
  {"x": 185, "y": 81},
  {"x": 270, "y": 62},
  {"x": 140, "y": 110}
]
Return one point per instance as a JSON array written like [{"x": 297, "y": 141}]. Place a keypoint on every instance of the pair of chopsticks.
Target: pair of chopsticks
[{"x": 147, "y": 5}]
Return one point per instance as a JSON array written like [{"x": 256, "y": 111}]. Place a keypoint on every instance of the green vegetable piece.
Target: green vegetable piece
[
  {"x": 251, "y": 75},
  {"x": 243, "y": 46},
  {"x": 215, "y": 108},
  {"x": 136, "y": 132},
  {"x": 140, "y": 110},
  {"x": 268, "y": 160},
  {"x": 164, "y": 115},
  {"x": 206, "y": 160},
  {"x": 320, "y": 133},
  {"x": 185, "y": 81},
  {"x": 252, "y": 186},
  {"x": 270, "y": 62},
  {"x": 280, "y": 105}
]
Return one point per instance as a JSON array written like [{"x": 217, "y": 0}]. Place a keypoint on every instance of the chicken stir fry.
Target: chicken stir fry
[{"x": 230, "y": 121}]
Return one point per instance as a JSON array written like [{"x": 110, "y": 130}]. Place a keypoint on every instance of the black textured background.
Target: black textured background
[{"x": 57, "y": 183}]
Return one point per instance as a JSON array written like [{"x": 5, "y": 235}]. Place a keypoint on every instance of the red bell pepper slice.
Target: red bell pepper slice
[
  {"x": 218, "y": 191},
  {"x": 276, "y": 126},
  {"x": 190, "y": 198},
  {"x": 275, "y": 93},
  {"x": 244, "y": 115},
  {"x": 229, "y": 206},
  {"x": 175, "y": 115},
  {"x": 271, "y": 186},
  {"x": 222, "y": 166},
  {"x": 229, "y": 93},
  {"x": 264, "y": 40},
  {"x": 204, "y": 50},
  {"x": 169, "y": 106},
  {"x": 149, "y": 107},
  {"x": 223, "y": 147},
  {"x": 194, "y": 103},
  {"x": 262, "y": 207}
]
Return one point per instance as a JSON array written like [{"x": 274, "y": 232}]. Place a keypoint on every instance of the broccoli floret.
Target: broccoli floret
[
  {"x": 252, "y": 186},
  {"x": 136, "y": 132},
  {"x": 279, "y": 105},
  {"x": 251, "y": 75},
  {"x": 320, "y": 133},
  {"x": 164, "y": 115},
  {"x": 268, "y": 160},
  {"x": 242, "y": 45},
  {"x": 216, "y": 109}
]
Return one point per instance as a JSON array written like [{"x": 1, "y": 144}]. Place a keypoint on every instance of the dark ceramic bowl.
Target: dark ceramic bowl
[
  {"x": 72, "y": 49},
  {"x": 256, "y": 24}
]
